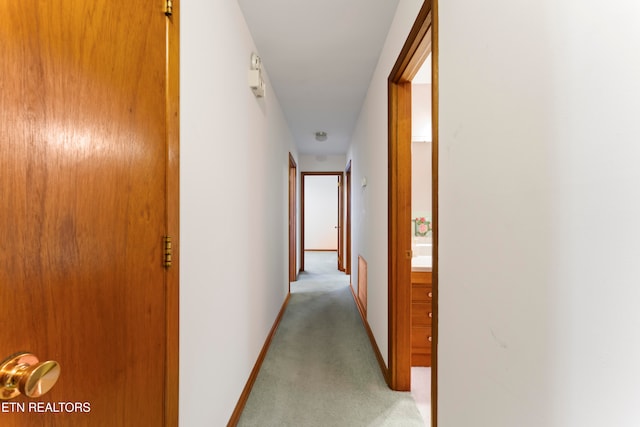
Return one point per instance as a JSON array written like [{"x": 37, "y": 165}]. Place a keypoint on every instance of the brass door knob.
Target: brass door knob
[{"x": 23, "y": 373}]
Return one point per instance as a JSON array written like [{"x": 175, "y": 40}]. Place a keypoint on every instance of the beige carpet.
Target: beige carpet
[{"x": 321, "y": 369}]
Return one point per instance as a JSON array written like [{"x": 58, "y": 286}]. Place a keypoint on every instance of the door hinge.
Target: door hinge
[
  {"x": 167, "y": 252},
  {"x": 168, "y": 9}
]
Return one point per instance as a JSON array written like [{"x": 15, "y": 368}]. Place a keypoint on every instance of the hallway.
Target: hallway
[
  {"x": 320, "y": 369},
  {"x": 537, "y": 199}
]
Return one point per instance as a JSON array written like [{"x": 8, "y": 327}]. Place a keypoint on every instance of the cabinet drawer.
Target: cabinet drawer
[
  {"x": 421, "y": 339},
  {"x": 421, "y": 314},
  {"x": 420, "y": 359},
  {"x": 421, "y": 293},
  {"x": 421, "y": 277}
]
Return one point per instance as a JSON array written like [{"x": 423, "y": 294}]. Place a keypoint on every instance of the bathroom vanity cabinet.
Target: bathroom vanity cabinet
[{"x": 421, "y": 317}]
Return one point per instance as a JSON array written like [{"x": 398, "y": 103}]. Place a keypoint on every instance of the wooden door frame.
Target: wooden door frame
[
  {"x": 173, "y": 217},
  {"x": 341, "y": 222},
  {"x": 347, "y": 228},
  {"x": 293, "y": 176},
  {"x": 422, "y": 40},
  {"x": 340, "y": 219}
]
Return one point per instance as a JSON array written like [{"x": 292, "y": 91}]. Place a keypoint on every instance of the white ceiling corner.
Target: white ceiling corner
[{"x": 320, "y": 56}]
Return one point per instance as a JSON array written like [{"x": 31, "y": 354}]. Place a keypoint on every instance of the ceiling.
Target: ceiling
[{"x": 319, "y": 56}]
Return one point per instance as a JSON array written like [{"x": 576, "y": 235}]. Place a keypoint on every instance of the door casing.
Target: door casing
[
  {"x": 293, "y": 176},
  {"x": 422, "y": 40},
  {"x": 347, "y": 219},
  {"x": 339, "y": 214}
]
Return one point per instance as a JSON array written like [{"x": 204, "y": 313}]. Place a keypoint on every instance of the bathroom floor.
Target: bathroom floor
[{"x": 421, "y": 392}]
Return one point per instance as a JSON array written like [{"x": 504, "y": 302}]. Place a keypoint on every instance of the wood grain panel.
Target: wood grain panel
[
  {"x": 424, "y": 360},
  {"x": 422, "y": 277},
  {"x": 421, "y": 314},
  {"x": 422, "y": 292},
  {"x": 421, "y": 339},
  {"x": 83, "y": 173}
]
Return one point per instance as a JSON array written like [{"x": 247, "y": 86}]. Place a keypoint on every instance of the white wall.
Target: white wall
[
  {"x": 321, "y": 212},
  {"x": 421, "y": 149},
  {"x": 234, "y": 163},
  {"x": 421, "y": 110},
  {"x": 539, "y": 208},
  {"x": 322, "y": 163},
  {"x": 421, "y": 180},
  {"x": 368, "y": 151}
]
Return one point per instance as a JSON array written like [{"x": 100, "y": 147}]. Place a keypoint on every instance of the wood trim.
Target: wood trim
[
  {"x": 416, "y": 47},
  {"x": 172, "y": 308},
  {"x": 302, "y": 176},
  {"x": 372, "y": 339},
  {"x": 347, "y": 183},
  {"x": 399, "y": 237},
  {"x": 435, "y": 119},
  {"x": 293, "y": 177},
  {"x": 237, "y": 412},
  {"x": 341, "y": 222},
  {"x": 413, "y": 53}
]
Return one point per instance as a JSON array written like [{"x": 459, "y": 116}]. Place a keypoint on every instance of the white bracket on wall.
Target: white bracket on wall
[{"x": 256, "y": 83}]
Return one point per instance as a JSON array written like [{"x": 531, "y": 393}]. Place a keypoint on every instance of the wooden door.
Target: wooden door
[
  {"x": 347, "y": 225},
  {"x": 340, "y": 224},
  {"x": 293, "y": 177},
  {"x": 83, "y": 167}
]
